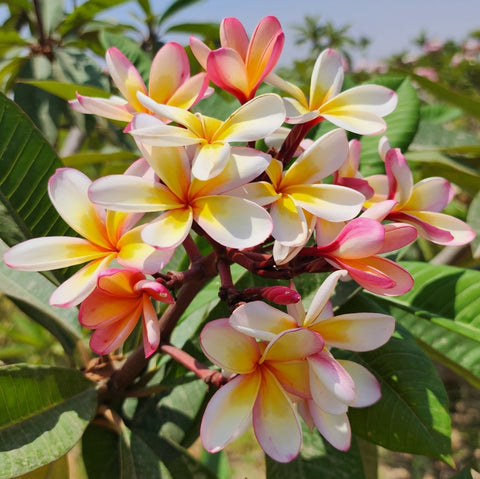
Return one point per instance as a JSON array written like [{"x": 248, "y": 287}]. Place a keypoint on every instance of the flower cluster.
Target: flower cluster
[{"x": 299, "y": 207}]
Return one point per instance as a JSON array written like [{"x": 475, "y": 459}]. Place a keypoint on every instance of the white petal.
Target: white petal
[
  {"x": 335, "y": 428},
  {"x": 367, "y": 386}
]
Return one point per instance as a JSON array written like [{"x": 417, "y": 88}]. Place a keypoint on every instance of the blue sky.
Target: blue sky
[{"x": 390, "y": 24}]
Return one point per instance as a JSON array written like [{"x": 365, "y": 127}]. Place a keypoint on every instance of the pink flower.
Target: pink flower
[
  {"x": 357, "y": 249},
  {"x": 115, "y": 306},
  {"x": 417, "y": 204},
  {"x": 334, "y": 385},
  {"x": 170, "y": 83},
  {"x": 241, "y": 65},
  {"x": 259, "y": 393}
]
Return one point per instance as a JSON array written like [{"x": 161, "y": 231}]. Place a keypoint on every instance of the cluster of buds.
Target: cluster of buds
[{"x": 268, "y": 211}]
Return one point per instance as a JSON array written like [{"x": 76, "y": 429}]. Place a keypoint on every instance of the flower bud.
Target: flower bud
[{"x": 280, "y": 294}]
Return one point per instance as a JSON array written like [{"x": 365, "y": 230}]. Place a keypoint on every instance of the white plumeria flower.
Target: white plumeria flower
[
  {"x": 231, "y": 221},
  {"x": 252, "y": 121},
  {"x": 359, "y": 109}
]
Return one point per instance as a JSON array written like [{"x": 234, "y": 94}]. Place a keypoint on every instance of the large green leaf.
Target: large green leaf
[
  {"x": 435, "y": 163},
  {"x": 473, "y": 219},
  {"x": 43, "y": 413},
  {"x": 402, "y": 125},
  {"x": 30, "y": 292},
  {"x": 443, "y": 312},
  {"x": 317, "y": 459},
  {"x": 175, "y": 7},
  {"x": 444, "y": 94},
  {"x": 26, "y": 163}
]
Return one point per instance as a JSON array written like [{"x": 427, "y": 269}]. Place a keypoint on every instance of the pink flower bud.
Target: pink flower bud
[{"x": 280, "y": 295}]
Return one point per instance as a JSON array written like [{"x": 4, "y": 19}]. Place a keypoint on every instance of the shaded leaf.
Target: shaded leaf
[
  {"x": 26, "y": 163},
  {"x": 206, "y": 30},
  {"x": 58, "y": 468},
  {"x": 450, "y": 328},
  {"x": 79, "y": 160},
  {"x": 43, "y": 413}
]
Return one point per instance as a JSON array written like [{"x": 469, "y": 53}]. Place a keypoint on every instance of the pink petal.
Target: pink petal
[
  {"x": 437, "y": 227},
  {"x": 112, "y": 108},
  {"x": 229, "y": 411},
  {"x": 275, "y": 421},
  {"x": 150, "y": 327},
  {"x": 335, "y": 428},
  {"x": 125, "y": 76},
  {"x": 368, "y": 388},
  {"x": 430, "y": 194},
  {"x": 226, "y": 69},
  {"x": 377, "y": 274},
  {"x": 260, "y": 320},
  {"x": 356, "y": 331},
  {"x": 108, "y": 338},
  {"x": 328, "y": 371},
  {"x": 229, "y": 348},
  {"x": 200, "y": 51},
  {"x": 170, "y": 68},
  {"x": 234, "y": 36},
  {"x": 397, "y": 235},
  {"x": 360, "y": 238},
  {"x": 399, "y": 176},
  {"x": 100, "y": 309}
]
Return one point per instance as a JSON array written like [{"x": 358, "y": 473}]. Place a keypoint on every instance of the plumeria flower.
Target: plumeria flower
[
  {"x": 170, "y": 83},
  {"x": 298, "y": 193},
  {"x": 106, "y": 235},
  {"x": 359, "y": 109},
  {"x": 348, "y": 174},
  {"x": 113, "y": 309},
  {"x": 259, "y": 393},
  {"x": 418, "y": 204},
  {"x": 231, "y": 221},
  {"x": 250, "y": 122},
  {"x": 240, "y": 65},
  {"x": 334, "y": 384}
]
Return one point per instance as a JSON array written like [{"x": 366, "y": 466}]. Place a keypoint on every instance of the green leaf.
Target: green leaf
[
  {"x": 444, "y": 94},
  {"x": 317, "y": 459},
  {"x": 106, "y": 453},
  {"x": 434, "y": 163},
  {"x": 86, "y": 12},
  {"x": 30, "y": 293},
  {"x": 67, "y": 91},
  {"x": 52, "y": 14},
  {"x": 207, "y": 30},
  {"x": 26, "y": 163},
  {"x": 43, "y": 413},
  {"x": 439, "y": 113},
  {"x": 11, "y": 38},
  {"x": 402, "y": 125},
  {"x": 448, "y": 329},
  {"x": 473, "y": 219},
  {"x": 412, "y": 415}
]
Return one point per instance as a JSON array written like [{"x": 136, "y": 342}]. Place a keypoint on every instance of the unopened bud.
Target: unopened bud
[{"x": 280, "y": 294}]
